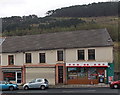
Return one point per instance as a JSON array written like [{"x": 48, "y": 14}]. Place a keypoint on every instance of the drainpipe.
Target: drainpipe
[{"x": 65, "y": 69}]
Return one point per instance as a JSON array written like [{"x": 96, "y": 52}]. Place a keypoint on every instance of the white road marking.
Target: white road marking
[
  {"x": 33, "y": 92},
  {"x": 79, "y": 91}
]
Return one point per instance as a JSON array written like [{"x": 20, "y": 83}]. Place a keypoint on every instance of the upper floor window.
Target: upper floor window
[
  {"x": 42, "y": 57},
  {"x": 81, "y": 55},
  {"x": 10, "y": 59},
  {"x": 60, "y": 55},
  {"x": 28, "y": 58},
  {"x": 91, "y": 54}
]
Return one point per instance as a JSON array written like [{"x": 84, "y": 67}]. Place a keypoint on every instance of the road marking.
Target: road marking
[
  {"x": 33, "y": 92},
  {"x": 79, "y": 91}
]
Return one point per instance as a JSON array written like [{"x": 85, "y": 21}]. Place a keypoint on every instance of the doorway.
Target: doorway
[{"x": 60, "y": 74}]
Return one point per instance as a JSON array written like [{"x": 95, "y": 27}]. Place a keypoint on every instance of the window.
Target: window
[
  {"x": 39, "y": 80},
  {"x": 42, "y": 57},
  {"x": 81, "y": 55},
  {"x": 10, "y": 60},
  {"x": 82, "y": 72},
  {"x": 9, "y": 76},
  {"x": 33, "y": 81},
  {"x": 77, "y": 73},
  {"x": 91, "y": 54},
  {"x": 28, "y": 58},
  {"x": 19, "y": 77},
  {"x": 60, "y": 55},
  {"x": 92, "y": 73},
  {"x": 72, "y": 73}
]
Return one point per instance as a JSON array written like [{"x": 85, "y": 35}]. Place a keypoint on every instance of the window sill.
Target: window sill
[
  {"x": 11, "y": 65},
  {"x": 91, "y": 60},
  {"x": 42, "y": 63},
  {"x": 81, "y": 60},
  {"x": 60, "y": 62},
  {"x": 28, "y": 63}
]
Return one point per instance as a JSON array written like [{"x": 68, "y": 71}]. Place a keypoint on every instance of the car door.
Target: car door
[
  {"x": 4, "y": 85},
  {"x": 38, "y": 83},
  {"x": 32, "y": 84}
]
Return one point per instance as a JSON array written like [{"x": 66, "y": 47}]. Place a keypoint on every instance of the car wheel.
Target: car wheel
[
  {"x": 115, "y": 86},
  {"x": 11, "y": 88},
  {"x": 26, "y": 88},
  {"x": 42, "y": 87}
]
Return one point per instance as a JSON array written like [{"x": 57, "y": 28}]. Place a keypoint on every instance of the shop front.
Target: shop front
[
  {"x": 13, "y": 75},
  {"x": 86, "y": 72}
]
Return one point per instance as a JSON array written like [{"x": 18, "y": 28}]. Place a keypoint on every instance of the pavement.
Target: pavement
[{"x": 75, "y": 86}]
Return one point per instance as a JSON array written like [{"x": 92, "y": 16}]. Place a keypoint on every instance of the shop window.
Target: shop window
[
  {"x": 92, "y": 73},
  {"x": 9, "y": 76},
  {"x": 81, "y": 55},
  {"x": 72, "y": 73},
  {"x": 10, "y": 60},
  {"x": 91, "y": 54},
  {"x": 76, "y": 73},
  {"x": 28, "y": 58},
  {"x": 42, "y": 57},
  {"x": 82, "y": 72},
  {"x": 60, "y": 55}
]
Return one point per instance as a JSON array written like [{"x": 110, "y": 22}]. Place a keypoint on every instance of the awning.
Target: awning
[{"x": 87, "y": 64}]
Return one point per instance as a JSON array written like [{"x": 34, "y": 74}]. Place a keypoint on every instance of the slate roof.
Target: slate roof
[{"x": 60, "y": 40}]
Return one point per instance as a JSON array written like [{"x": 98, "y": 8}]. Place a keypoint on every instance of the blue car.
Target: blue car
[{"x": 8, "y": 86}]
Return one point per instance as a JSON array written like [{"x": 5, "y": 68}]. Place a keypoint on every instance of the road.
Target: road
[{"x": 65, "y": 91}]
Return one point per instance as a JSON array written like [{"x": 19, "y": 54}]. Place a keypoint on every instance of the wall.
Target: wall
[{"x": 103, "y": 54}]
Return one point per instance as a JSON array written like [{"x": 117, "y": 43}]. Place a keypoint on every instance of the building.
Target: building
[{"x": 75, "y": 57}]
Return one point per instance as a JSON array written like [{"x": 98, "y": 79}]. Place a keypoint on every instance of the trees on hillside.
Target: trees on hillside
[{"x": 90, "y": 10}]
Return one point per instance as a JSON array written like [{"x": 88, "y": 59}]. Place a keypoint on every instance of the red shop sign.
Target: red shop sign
[{"x": 12, "y": 75}]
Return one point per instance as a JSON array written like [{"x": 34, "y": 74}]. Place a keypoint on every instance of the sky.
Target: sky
[{"x": 10, "y": 8}]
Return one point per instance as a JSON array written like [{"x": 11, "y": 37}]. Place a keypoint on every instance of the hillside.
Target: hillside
[
  {"x": 90, "y": 10},
  {"x": 28, "y": 25}
]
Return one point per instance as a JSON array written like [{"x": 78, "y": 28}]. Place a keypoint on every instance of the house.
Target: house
[{"x": 75, "y": 57}]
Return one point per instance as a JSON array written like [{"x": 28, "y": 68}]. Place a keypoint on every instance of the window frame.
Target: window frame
[
  {"x": 93, "y": 54},
  {"x": 13, "y": 56},
  {"x": 60, "y": 56},
  {"x": 78, "y": 54},
  {"x": 40, "y": 58},
  {"x": 26, "y": 61}
]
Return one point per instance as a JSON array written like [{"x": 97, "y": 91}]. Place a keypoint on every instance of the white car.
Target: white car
[{"x": 37, "y": 83}]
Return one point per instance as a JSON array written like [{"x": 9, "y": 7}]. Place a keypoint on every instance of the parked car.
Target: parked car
[
  {"x": 37, "y": 83},
  {"x": 4, "y": 85},
  {"x": 115, "y": 84}
]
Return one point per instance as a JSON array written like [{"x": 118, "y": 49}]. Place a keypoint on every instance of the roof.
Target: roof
[{"x": 60, "y": 40}]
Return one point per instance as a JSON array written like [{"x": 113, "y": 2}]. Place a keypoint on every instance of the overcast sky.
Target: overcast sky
[{"x": 38, "y": 7}]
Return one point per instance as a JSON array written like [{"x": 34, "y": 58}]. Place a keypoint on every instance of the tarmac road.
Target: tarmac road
[{"x": 65, "y": 91}]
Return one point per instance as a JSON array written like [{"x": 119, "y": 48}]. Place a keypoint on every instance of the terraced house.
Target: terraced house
[{"x": 75, "y": 57}]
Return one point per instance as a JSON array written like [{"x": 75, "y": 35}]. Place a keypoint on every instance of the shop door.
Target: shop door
[
  {"x": 101, "y": 75},
  {"x": 60, "y": 74},
  {"x": 19, "y": 77}
]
